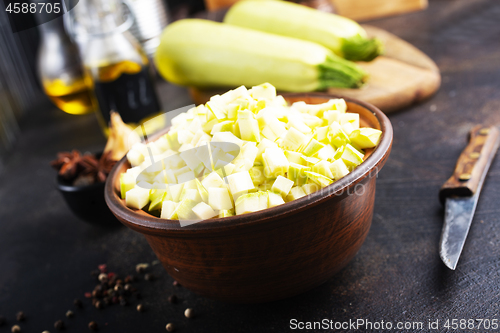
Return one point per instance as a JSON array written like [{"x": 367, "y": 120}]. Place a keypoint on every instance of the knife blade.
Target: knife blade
[{"x": 460, "y": 193}]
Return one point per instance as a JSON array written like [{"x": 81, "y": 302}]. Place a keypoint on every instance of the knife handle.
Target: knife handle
[{"x": 473, "y": 163}]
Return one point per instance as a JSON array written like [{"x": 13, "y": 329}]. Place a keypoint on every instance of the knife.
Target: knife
[{"x": 460, "y": 193}]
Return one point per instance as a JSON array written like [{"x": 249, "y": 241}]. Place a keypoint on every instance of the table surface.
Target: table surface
[{"x": 46, "y": 253}]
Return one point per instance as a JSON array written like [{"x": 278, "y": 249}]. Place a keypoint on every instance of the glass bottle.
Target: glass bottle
[
  {"x": 116, "y": 67},
  {"x": 60, "y": 69}
]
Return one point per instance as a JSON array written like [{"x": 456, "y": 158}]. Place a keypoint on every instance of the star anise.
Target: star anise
[
  {"x": 83, "y": 169},
  {"x": 88, "y": 163},
  {"x": 67, "y": 163},
  {"x": 104, "y": 166}
]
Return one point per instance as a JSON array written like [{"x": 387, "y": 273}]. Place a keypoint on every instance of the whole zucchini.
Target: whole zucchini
[
  {"x": 204, "y": 53},
  {"x": 343, "y": 36}
]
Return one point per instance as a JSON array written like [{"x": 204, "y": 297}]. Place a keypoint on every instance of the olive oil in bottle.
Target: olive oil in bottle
[
  {"x": 60, "y": 68},
  {"x": 73, "y": 98},
  {"x": 117, "y": 68}
]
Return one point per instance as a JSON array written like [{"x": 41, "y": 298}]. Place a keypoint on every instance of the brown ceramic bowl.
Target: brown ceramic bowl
[{"x": 275, "y": 253}]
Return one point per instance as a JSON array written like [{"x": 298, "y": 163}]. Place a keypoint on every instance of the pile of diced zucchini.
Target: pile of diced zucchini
[{"x": 242, "y": 152}]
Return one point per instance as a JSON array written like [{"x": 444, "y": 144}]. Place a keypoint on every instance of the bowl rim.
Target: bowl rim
[
  {"x": 147, "y": 223},
  {"x": 60, "y": 183}
]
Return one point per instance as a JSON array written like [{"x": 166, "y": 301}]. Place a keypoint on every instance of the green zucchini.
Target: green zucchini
[
  {"x": 341, "y": 35},
  {"x": 203, "y": 53}
]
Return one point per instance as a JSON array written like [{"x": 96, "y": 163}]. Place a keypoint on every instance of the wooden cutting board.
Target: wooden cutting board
[
  {"x": 353, "y": 9},
  {"x": 402, "y": 77}
]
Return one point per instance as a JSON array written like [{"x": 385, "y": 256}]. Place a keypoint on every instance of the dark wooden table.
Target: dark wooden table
[{"x": 46, "y": 253}]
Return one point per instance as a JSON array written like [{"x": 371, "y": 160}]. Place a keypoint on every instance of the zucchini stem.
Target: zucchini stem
[
  {"x": 340, "y": 73},
  {"x": 359, "y": 48}
]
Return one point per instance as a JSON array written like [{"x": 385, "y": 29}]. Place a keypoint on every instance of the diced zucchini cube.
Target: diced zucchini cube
[
  {"x": 275, "y": 163},
  {"x": 137, "y": 197},
  {"x": 366, "y": 137},
  {"x": 204, "y": 211},
  {"x": 323, "y": 168},
  {"x": 282, "y": 186},
  {"x": 352, "y": 157},
  {"x": 311, "y": 188},
  {"x": 167, "y": 209},
  {"x": 296, "y": 192},
  {"x": 338, "y": 169},
  {"x": 240, "y": 183},
  {"x": 275, "y": 199},
  {"x": 219, "y": 198},
  {"x": 251, "y": 202},
  {"x": 318, "y": 178},
  {"x": 293, "y": 140},
  {"x": 127, "y": 182}
]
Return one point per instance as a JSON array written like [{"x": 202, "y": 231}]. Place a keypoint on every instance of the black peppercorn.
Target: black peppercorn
[
  {"x": 176, "y": 284},
  {"x": 129, "y": 279},
  {"x": 20, "y": 316},
  {"x": 78, "y": 303},
  {"x": 140, "y": 308},
  {"x": 59, "y": 325},
  {"x": 103, "y": 277},
  {"x": 172, "y": 299},
  {"x": 123, "y": 301},
  {"x": 99, "y": 305},
  {"x": 149, "y": 277},
  {"x": 69, "y": 314},
  {"x": 93, "y": 326},
  {"x": 15, "y": 329},
  {"x": 170, "y": 327}
]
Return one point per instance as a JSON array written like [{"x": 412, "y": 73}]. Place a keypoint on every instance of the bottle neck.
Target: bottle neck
[
  {"x": 98, "y": 17},
  {"x": 106, "y": 26},
  {"x": 54, "y": 27}
]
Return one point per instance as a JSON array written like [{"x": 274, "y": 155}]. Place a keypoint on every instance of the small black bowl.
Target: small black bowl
[{"x": 87, "y": 202}]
